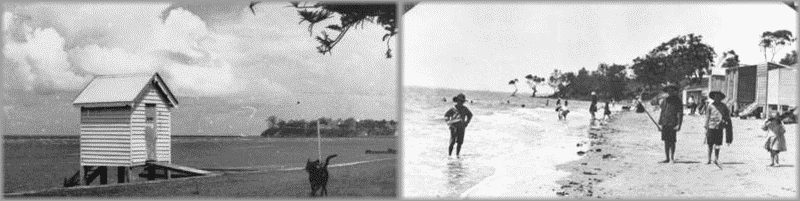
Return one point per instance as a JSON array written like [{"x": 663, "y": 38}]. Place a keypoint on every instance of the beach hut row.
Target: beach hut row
[{"x": 751, "y": 87}]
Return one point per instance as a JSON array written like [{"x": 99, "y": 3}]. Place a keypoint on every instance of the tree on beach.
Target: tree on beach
[
  {"x": 612, "y": 80},
  {"x": 514, "y": 82},
  {"x": 532, "y": 81},
  {"x": 789, "y": 59},
  {"x": 680, "y": 60},
  {"x": 732, "y": 59},
  {"x": 773, "y": 42},
  {"x": 557, "y": 80},
  {"x": 350, "y": 16}
]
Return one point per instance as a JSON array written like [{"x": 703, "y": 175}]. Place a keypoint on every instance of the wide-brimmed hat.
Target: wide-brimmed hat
[
  {"x": 460, "y": 98},
  {"x": 716, "y": 95},
  {"x": 670, "y": 87}
]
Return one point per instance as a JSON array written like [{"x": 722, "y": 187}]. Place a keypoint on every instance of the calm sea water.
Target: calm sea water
[
  {"x": 509, "y": 150},
  {"x": 41, "y": 162}
]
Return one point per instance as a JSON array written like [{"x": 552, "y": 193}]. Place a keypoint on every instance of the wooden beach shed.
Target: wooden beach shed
[
  {"x": 125, "y": 122},
  {"x": 769, "y": 85}
]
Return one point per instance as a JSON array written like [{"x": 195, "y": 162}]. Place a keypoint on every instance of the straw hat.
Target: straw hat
[
  {"x": 716, "y": 95},
  {"x": 460, "y": 98}
]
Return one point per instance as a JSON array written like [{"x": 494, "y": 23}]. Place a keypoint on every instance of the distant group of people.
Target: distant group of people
[
  {"x": 718, "y": 126},
  {"x": 697, "y": 106},
  {"x": 593, "y": 108}
]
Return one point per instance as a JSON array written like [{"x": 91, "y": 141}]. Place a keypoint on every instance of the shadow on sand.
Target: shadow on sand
[
  {"x": 731, "y": 163},
  {"x": 687, "y": 162}
]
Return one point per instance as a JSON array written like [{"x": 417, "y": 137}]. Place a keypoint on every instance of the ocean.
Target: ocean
[
  {"x": 35, "y": 163},
  {"x": 509, "y": 151}
]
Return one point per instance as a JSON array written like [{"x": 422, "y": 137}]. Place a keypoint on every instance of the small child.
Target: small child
[
  {"x": 458, "y": 118},
  {"x": 776, "y": 142},
  {"x": 607, "y": 112},
  {"x": 563, "y": 111}
]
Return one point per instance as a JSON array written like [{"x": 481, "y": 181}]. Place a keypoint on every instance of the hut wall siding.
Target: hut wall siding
[
  {"x": 162, "y": 128},
  {"x": 746, "y": 85},
  {"x": 104, "y": 134},
  {"x": 787, "y": 94},
  {"x": 761, "y": 84},
  {"x": 773, "y": 84}
]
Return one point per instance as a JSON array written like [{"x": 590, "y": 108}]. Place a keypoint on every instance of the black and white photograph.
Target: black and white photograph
[
  {"x": 599, "y": 100},
  {"x": 190, "y": 100}
]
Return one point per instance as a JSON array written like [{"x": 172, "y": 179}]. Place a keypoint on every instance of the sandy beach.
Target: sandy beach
[{"x": 624, "y": 160}]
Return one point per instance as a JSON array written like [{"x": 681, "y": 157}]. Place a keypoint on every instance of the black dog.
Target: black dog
[{"x": 318, "y": 175}]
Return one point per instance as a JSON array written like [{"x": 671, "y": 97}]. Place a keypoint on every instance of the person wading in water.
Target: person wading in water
[{"x": 458, "y": 118}]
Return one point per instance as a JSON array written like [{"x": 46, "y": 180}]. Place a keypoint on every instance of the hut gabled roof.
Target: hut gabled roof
[{"x": 121, "y": 90}]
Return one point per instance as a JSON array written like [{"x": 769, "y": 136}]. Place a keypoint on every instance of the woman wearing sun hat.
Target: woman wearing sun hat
[
  {"x": 718, "y": 118},
  {"x": 458, "y": 118}
]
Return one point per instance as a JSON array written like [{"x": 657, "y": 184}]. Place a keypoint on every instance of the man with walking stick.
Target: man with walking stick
[{"x": 670, "y": 120}]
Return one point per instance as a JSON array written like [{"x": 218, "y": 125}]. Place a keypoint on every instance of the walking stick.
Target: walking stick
[{"x": 648, "y": 115}]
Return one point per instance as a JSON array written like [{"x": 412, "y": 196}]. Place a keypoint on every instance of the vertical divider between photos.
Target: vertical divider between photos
[
  {"x": 797, "y": 96},
  {"x": 399, "y": 110}
]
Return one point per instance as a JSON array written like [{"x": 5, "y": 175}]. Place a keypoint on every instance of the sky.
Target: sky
[
  {"x": 200, "y": 49},
  {"x": 482, "y": 46}
]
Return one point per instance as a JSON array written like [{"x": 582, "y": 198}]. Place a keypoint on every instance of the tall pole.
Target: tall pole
[{"x": 319, "y": 142}]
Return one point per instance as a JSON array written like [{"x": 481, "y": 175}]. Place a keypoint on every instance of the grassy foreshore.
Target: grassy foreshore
[
  {"x": 623, "y": 163},
  {"x": 371, "y": 179}
]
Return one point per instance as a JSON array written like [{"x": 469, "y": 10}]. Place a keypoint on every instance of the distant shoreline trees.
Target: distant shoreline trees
[{"x": 329, "y": 128}]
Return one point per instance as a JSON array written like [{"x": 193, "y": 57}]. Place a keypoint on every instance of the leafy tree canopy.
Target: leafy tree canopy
[
  {"x": 789, "y": 59},
  {"x": 680, "y": 60},
  {"x": 731, "y": 59},
  {"x": 772, "y": 42},
  {"x": 350, "y": 15}
]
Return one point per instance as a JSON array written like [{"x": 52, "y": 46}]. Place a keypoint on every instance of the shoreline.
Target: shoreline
[
  {"x": 580, "y": 183},
  {"x": 624, "y": 163},
  {"x": 544, "y": 152}
]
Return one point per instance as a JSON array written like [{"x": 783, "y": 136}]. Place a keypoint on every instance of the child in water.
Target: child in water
[
  {"x": 458, "y": 118},
  {"x": 562, "y": 110},
  {"x": 776, "y": 142},
  {"x": 607, "y": 112}
]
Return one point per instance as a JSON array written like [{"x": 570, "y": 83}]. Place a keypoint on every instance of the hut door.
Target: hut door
[{"x": 150, "y": 131}]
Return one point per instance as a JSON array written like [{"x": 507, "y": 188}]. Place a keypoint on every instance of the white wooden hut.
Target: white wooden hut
[
  {"x": 125, "y": 122},
  {"x": 761, "y": 85}
]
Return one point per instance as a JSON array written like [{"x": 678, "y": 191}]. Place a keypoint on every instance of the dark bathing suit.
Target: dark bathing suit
[
  {"x": 671, "y": 108},
  {"x": 457, "y": 129}
]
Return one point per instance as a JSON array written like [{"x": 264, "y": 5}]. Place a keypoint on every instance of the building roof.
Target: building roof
[
  {"x": 124, "y": 89},
  {"x": 770, "y": 66}
]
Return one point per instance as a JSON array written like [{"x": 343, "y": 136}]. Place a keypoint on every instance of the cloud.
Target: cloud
[
  {"x": 202, "y": 50},
  {"x": 182, "y": 48},
  {"x": 97, "y": 60},
  {"x": 38, "y": 61}
]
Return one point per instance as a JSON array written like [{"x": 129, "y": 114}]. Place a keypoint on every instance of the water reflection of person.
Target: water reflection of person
[
  {"x": 458, "y": 118},
  {"x": 456, "y": 173}
]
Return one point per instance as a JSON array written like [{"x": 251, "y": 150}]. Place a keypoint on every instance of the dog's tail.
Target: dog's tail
[{"x": 327, "y": 160}]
